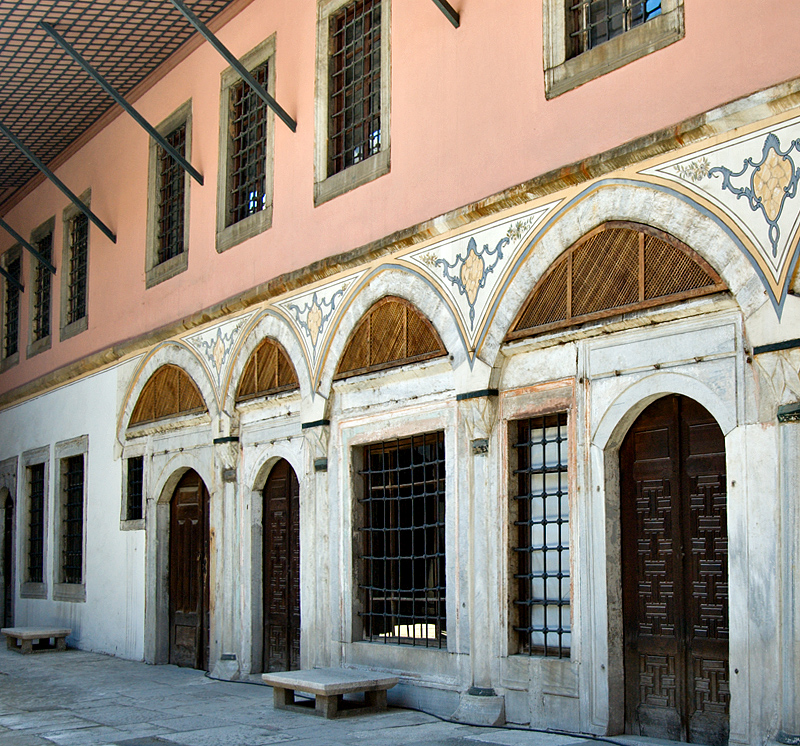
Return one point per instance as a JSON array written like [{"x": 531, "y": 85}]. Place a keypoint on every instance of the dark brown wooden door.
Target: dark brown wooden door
[
  {"x": 188, "y": 574},
  {"x": 281, "y": 524},
  {"x": 8, "y": 564},
  {"x": 675, "y": 574}
]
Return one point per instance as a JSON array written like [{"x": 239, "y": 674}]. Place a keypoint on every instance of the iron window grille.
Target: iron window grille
[
  {"x": 11, "y": 330},
  {"x": 592, "y": 22},
  {"x": 402, "y": 541},
  {"x": 72, "y": 520},
  {"x": 41, "y": 290},
  {"x": 78, "y": 256},
  {"x": 542, "y": 551},
  {"x": 36, "y": 524},
  {"x": 354, "y": 107},
  {"x": 247, "y": 192},
  {"x": 135, "y": 500},
  {"x": 171, "y": 198}
]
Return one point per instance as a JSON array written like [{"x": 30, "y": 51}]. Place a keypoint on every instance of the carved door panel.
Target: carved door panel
[
  {"x": 8, "y": 564},
  {"x": 675, "y": 574},
  {"x": 281, "y": 527},
  {"x": 188, "y": 574}
]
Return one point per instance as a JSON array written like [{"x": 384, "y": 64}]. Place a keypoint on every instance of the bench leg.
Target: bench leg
[
  {"x": 61, "y": 643},
  {"x": 27, "y": 646},
  {"x": 281, "y": 698},
  {"x": 327, "y": 706},
  {"x": 376, "y": 700},
  {"x": 11, "y": 642}
]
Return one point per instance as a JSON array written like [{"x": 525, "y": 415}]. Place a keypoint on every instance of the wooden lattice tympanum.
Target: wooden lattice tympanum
[
  {"x": 391, "y": 333},
  {"x": 617, "y": 267},
  {"x": 168, "y": 393},
  {"x": 268, "y": 371}
]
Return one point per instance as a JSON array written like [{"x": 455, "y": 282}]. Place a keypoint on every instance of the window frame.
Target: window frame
[
  {"x": 328, "y": 187},
  {"x": 228, "y": 236},
  {"x": 125, "y": 523},
  {"x": 156, "y": 272},
  {"x": 11, "y": 255},
  {"x": 70, "y": 329},
  {"x": 63, "y": 451},
  {"x": 562, "y": 74},
  {"x": 37, "y": 271},
  {"x": 27, "y": 587}
]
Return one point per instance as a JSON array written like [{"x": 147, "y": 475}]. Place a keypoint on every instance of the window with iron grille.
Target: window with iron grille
[
  {"x": 41, "y": 290},
  {"x": 134, "y": 492},
  {"x": 171, "y": 196},
  {"x": 541, "y": 551},
  {"x": 354, "y": 87},
  {"x": 72, "y": 520},
  {"x": 78, "y": 265},
  {"x": 247, "y": 129},
  {"x": 592, "y": 22},
  {"x": 36, "y": 523},
  {"x": 13, "y": 266},
  {"x": 402, "y": 549}
]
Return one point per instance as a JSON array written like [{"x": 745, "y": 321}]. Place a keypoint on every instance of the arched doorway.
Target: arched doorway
[
  {"x": 281, "y": 566},
  {"x": 675, "y": 574},
  {"x": 8, "y": 563},
  {"x": 188, "y": 573}
]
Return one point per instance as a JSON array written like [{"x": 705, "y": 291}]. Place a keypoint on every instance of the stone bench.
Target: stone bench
[
  {"x": 35, "y": 639},
  {"x": 328, "y": 685}
]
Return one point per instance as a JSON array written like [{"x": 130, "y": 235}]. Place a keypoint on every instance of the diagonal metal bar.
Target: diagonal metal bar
[
  {"x": 449, "y": 11},
  {"x": 13, "y": 280},
  {"x": 6, "y": 227},
  {"x": 235, "y": 64},
  {"x": 19, "y": 145},
  {"x": 70, "y": 50}
]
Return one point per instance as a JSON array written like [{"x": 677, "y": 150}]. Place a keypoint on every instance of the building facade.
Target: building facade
[{"x": 487, "y": 375}]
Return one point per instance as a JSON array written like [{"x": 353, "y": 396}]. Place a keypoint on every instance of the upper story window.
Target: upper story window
[
  {"x": 41, "y": 295},
  {"x": 352, "y": 95},
  {"x": 12, "y": 264},
  {"x": 584, "y": 39},
  {"x": 75, "y": 272},
  {"x": 168, "y": 200},
  {"x": 246, "y": 146}
]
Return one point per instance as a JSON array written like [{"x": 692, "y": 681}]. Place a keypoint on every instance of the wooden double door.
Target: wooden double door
[
  {"x": 281, "y": 567},
  {"x": 188, "y": 573},
  {"x": 675, "y": 574}
]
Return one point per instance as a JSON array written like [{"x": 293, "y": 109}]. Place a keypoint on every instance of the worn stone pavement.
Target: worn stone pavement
[{"x": 77, "y": 698}]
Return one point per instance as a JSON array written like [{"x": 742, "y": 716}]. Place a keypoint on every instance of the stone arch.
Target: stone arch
[
  {"x": 637, "y": 202},
  {"x": 167, "y": 353},
  {"x": 402, "y": 283}
]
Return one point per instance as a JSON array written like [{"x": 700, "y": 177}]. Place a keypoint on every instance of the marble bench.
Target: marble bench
[
  {"x": 22, "y": 639},
  {"x": 328, "y": 685}
]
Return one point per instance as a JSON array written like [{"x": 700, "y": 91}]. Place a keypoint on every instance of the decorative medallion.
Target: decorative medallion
[
  {"x": 216, "y": 344},
  {"x": 753, "y": 180}
]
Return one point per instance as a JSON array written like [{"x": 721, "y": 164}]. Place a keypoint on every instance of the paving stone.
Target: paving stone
[{"x": 232, "y": 735}]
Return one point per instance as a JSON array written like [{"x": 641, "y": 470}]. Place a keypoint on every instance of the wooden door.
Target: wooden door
[
  {"x": 281, "y": 531},
  {"x": 8, "y": 564},
  {"x": 188, "y": 574},
  {"x": 675, "y": 574}
]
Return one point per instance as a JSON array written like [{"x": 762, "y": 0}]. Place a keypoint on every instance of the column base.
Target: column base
[{"x": 483, "y": 707}]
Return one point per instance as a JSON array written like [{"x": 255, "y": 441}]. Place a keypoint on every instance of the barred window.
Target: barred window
[
  {"x": 542, "y": 537},
  {"x": 72, "y": 519},
  {"x": 36, "y": 523},
  {"x": 171, "y": 198},
  {"x": 134, "y": 492},
  {"x": 247, "y": 127},
  {"x": 78, "y": 260},
  {"x": 11, "y": 325},
  {"x": 41, "y": 290},
  {"x": 354, "y": 86},
  {"x": 592, "y": 22},
  {"x": 402, "y": 557}
]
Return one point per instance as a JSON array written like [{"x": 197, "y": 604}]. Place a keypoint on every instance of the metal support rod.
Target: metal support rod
[
  {"x": 57, "y": 182},
  {"x": 70, "y": 50},
  {"x": 13, "y": 280},
  {"x": 235, "y": 64},
  {"x": 449, "y": 11},
  {"x": 6, "y": 227}
]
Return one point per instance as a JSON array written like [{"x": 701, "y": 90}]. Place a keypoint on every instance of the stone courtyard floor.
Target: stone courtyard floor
[{"x": 77, "y": 698}]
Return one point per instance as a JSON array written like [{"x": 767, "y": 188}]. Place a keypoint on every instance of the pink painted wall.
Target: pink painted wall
[{"x": 469, "y": 118}]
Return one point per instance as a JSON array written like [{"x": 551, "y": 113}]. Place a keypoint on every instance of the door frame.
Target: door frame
[{"x": 6, "y": 496}]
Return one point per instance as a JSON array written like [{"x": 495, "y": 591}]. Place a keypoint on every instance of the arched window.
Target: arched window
[
  {"x": 168, "y": 393},
  {"x": 615, "y": 268},
  {"x": 268, "y": 371},
  {"x": 391, "y": 333}
]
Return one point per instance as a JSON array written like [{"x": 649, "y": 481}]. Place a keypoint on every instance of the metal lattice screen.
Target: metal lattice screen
[
  {"x": 168, "y": 393},
  {"x": 36, "y": 523},
  {"x": 616, "y": 268},
  {"x": 72, "y": 520},
  {"x": 171, "y": 197},
  {"x": 391, "y": 333},
  {"x": 268, "y": 371}
]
